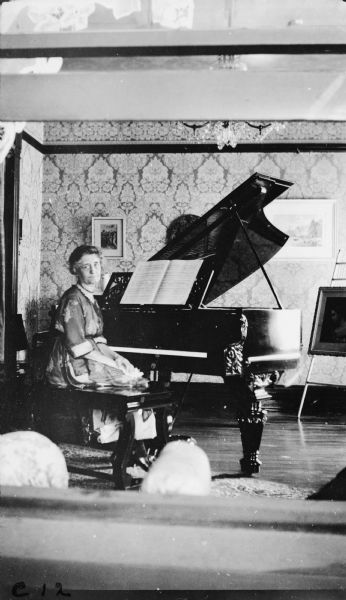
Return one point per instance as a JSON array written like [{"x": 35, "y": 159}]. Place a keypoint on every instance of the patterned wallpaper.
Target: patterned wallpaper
[
  {"x": 30, "y": 206},
  {"x": 149, "y": 190},
  {"x": 191, "y": 132}
]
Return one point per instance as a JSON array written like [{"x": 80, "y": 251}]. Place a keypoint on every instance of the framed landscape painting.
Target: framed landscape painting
[
  {"x": 310, "y": 225},
  {"x": 108, "y": 233}
]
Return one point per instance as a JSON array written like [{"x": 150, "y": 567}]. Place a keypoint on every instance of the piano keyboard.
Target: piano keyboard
[
  {"x": 183, "y": 353},
  {"x": 276, "y": 356}
]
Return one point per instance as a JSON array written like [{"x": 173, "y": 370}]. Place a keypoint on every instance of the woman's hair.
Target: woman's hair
[
  {"x": 77, "y": 254},
  {"x": 177, "y": 226}
]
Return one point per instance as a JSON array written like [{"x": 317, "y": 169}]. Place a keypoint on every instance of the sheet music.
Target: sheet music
[
  {"x": 176, "y": 285},
  {"x": 145, "y": 282},
  {"x": 162, "y": 282}
]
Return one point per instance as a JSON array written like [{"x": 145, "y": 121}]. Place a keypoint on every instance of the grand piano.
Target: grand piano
[{"x": 240, "y": 344}]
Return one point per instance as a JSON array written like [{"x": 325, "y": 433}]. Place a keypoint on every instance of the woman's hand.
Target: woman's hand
[
  {"x": 130, "y": 371},
  {"x": 123, "y": 370},
  {"x": 123, "y": 364}
]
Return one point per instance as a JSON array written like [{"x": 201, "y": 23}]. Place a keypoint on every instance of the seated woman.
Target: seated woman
[{"x": 80, "y": 355}]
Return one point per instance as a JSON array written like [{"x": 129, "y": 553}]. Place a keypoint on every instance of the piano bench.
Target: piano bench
[{"x": 77, "y": 405}]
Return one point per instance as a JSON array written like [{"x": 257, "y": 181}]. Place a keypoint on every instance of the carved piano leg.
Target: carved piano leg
[
  {"x": 250, "y": 415},
  {"x": 251, "y": 419}
]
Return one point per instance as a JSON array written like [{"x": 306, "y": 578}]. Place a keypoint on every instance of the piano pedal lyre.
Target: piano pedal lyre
[{"x": 154, "y": 372}]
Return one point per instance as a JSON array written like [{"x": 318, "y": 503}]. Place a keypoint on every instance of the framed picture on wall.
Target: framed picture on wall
[
  {"x": 108, "y": 233},
  {"x": 328, "y": 335},
  {"x": 310, "y": 225}
]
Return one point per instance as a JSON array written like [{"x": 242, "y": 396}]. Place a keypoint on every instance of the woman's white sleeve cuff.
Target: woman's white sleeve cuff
[{"x": 81, "y": 349}]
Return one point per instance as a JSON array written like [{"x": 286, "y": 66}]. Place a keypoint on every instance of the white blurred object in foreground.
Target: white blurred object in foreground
[
  {"x": 181, "y": 468},
  {"x": 31, "y": 459}
]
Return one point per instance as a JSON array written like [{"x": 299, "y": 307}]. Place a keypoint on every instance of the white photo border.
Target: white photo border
[
  {"x": 281, "y": 211},
  {"x": 100, "y": 224}
]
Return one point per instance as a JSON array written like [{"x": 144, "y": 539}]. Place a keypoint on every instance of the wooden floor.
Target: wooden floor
[{"x": 303, "y": 453}]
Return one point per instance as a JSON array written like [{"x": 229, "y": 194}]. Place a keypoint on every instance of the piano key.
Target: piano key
[
  {"x": 167, "y": 352},
  {"x": 277, "y": 356}
]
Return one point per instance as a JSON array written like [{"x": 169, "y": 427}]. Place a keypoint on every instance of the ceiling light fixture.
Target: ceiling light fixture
[{"x": 230, "y": 133}]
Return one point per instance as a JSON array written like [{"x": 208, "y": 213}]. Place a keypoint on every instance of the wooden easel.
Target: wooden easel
[{"x": 339, "y": 275}]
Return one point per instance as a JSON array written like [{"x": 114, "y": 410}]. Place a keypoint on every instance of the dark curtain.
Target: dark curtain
[
  {"x": 2, "y": 264},
  {"x": 9, "y": 233}
]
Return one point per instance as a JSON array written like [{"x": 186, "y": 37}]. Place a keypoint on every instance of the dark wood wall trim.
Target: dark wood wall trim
[
  {"x": 169, "y": 148},
  {"x": 171, "y": 50},
  {"x": 29, "y": 139}
]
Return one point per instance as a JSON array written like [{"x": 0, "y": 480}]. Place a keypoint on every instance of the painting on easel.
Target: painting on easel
[{"x": 328, "y": 334}]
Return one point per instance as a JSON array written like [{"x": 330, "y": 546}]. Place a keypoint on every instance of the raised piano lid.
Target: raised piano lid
[{"x": 220, "y": 232}]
